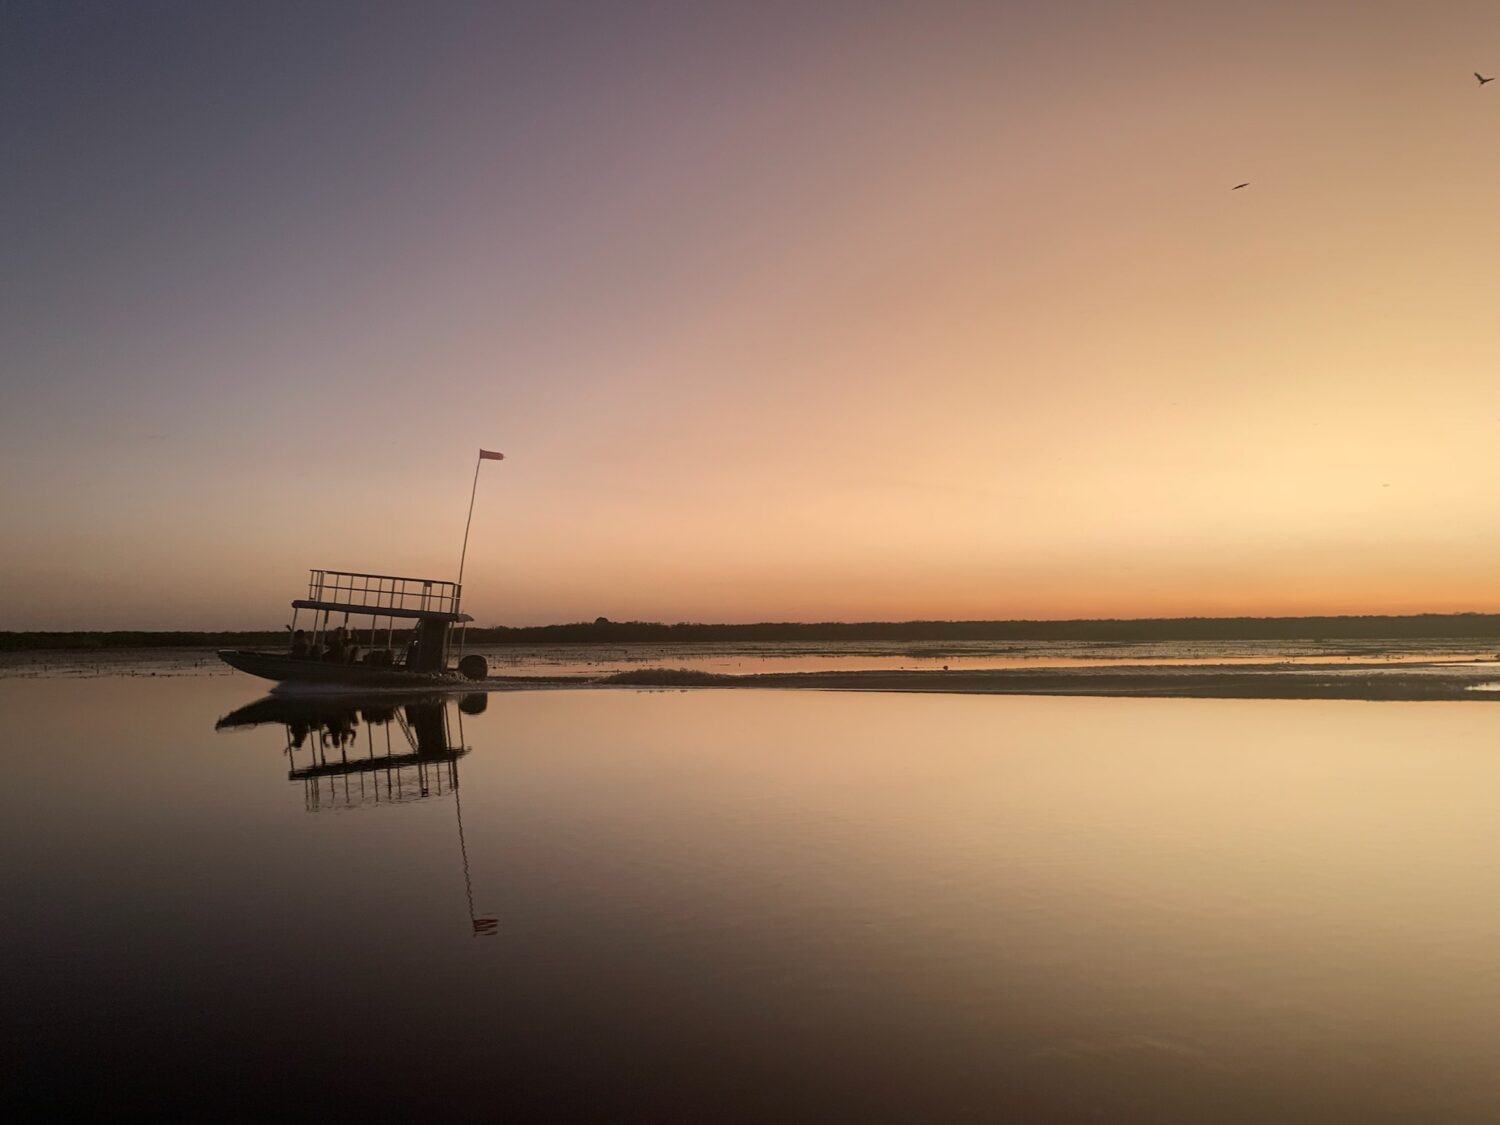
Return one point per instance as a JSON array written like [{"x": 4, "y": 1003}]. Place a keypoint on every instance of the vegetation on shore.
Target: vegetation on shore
[
  {"x": 1425, "y": 626},
  {"x": 668, "y": 677}
]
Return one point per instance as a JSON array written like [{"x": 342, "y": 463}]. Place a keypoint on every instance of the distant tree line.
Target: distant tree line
[
  {"x": 1417, "y": 626},
  {"x": 1423, "y": 626},
  {"x": 139, "y": 638}
]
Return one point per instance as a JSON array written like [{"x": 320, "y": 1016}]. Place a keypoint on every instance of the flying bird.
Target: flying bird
[
  {"x": 1482, "y": 78},
  {"x": 1238, "y": 186}
]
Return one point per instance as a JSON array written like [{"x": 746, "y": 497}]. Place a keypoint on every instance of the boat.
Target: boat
[{"x": 355, "y": 640}]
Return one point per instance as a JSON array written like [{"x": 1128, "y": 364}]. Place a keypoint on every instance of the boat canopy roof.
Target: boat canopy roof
[
  {"x": 353, "y": 607},
  {"x": 382, "y": 595}
]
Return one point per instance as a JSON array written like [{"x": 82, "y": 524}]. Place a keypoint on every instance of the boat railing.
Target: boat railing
[{"x": 378, "y": 593}]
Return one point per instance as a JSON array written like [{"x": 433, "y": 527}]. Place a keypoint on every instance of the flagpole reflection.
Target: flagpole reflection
[{"x": 409, "y": 755}]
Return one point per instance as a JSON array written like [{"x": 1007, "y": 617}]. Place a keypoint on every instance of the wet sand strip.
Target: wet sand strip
[{"x": 1273, "y": 681}]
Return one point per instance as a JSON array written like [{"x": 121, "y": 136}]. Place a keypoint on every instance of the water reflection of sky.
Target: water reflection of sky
[{"x": 757, "y": 906}]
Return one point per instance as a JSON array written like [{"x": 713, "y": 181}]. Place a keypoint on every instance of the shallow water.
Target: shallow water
[
  {"x": 734, "y": 905},
  {"x": 748, "y": 658}
]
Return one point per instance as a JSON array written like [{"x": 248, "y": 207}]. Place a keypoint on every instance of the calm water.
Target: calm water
[{"x": 777, "y": 906}]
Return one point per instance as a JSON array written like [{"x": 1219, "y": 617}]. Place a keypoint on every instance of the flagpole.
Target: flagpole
[{"x": 472, "y": 492}]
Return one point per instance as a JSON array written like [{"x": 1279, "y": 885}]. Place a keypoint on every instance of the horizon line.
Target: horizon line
[{"x": 608, "y": 623}]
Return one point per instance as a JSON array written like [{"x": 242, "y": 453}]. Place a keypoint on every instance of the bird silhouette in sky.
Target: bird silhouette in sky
[
  {"x": 1482, "y": 78},
  {"x": 1238, "y": 186}
]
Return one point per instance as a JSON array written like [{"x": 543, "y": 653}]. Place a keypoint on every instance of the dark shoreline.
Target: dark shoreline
[
  {"x": 1482, "y": 628},
  {"x": 1428, "y": 677}
]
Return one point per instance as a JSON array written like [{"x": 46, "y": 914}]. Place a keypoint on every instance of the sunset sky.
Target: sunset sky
[{"x": 778, "y": 311}]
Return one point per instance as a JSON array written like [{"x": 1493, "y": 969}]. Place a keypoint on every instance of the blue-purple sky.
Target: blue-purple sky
[{"x": 778, "y": 311}]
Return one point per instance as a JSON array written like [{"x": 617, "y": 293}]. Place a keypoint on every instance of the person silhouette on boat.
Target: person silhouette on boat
[{"x": 297, "y": 732}]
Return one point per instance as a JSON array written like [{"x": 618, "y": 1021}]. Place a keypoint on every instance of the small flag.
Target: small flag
[
  {"x": 485, "y": 927},
  {"x": 486, "y": 455}
]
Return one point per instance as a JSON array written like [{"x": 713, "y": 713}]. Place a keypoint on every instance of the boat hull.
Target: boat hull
[{"x": 284, "y": 669}]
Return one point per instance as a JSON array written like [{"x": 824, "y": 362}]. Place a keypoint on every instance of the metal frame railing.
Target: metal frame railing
[{"x": 376, "y": 592}]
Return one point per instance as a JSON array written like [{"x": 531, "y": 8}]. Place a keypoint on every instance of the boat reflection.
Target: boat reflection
[
  {"x": 409, "y": 747},
  {"x": 362, "y": 752}
]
